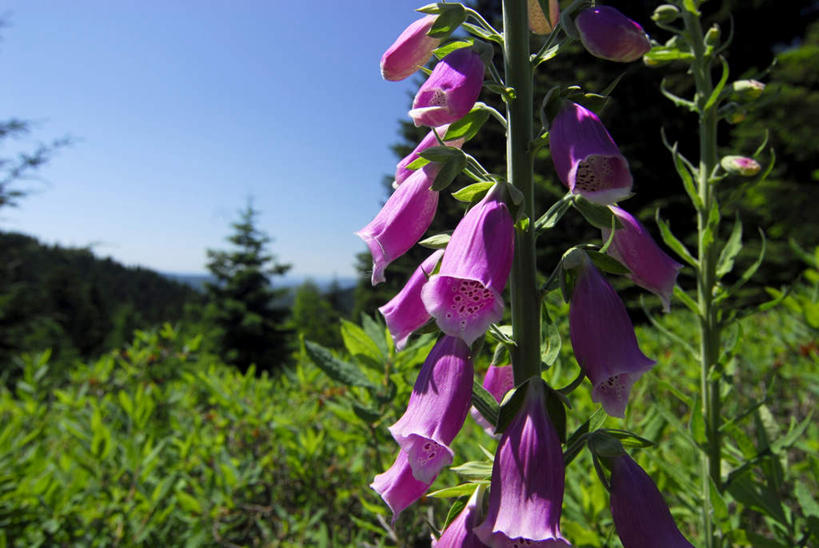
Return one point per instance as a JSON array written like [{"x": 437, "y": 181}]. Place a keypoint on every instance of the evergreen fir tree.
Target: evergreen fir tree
[{"x": 243, "y": 303}]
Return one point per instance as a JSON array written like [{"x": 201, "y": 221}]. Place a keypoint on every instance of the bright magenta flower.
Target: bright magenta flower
[
  {"x": 465, "y": 296},
  {"x": 608, "y": 34},
  {"x": 603, "y": 340},
  {"x": 401, "y": 171},
  {"x": 450, "y": 91},
  {"x": 398, "y": 487},
  {"x": 401, "y": 222},
  {"x": 586, "y": 158},
  {"x": 405, "y": 312},
  {"x": 410, "y": 51},
  {"x": 526, "y": 493},
  {"x": 651, "y": 268},
  {"x": 640, "y": 514},
  {"x": 459, "y": 533},
  {"x": 437, "y": 408}
]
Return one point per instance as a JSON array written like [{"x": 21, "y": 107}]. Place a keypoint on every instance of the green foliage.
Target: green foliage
[
  {"x": 313, "y": 316},
  {"x": 243, "y": 304}
]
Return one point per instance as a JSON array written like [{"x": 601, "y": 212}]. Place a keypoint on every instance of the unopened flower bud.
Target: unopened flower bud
[
  {"x": 410, "y": 51},
  {"x": 712, "y": 36},
  {"x": 665, "y": 13},
  {"x": 740, "y": 165},
  {"x": 746, "y": 90},
  {"x": 608, "y": 34},
  {"x": 539, "y": 22}
]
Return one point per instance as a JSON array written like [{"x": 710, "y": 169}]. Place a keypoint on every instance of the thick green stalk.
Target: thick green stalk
[
  {"x": 706, "y": 275},
  {"x": 523, "y": 286}
]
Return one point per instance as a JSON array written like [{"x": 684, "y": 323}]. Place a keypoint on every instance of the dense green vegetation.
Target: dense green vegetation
[{"x": 160, "y": 442}]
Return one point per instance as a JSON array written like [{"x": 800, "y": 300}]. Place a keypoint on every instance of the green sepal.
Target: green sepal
[
  {"x": 472, "y": 192},
  {"x": 438, "y": 241},
  {"x": 660, "y": 55},
  {"x": 555, "y": 213},
  {"x": 464, "y": 489},
  {"x": 467, "y": 127},
  {"x": 418, "y": 163},
  {"x": 448, "y": 172},
  {"x": 607, "y": 263},
  {"x": 449, "y": 47},
  {"x": 511, "y": 405},
  {"x": 450, "y": 17},
  {"x": 335, "y": 368},
  {"x": 597, "y": 215},
  {"x": 485, "y": 403}
]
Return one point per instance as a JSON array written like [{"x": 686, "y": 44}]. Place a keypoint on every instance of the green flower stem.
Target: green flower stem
[
  {"x": 525, "y": 304},
  {"x": 706, "y": 275}
]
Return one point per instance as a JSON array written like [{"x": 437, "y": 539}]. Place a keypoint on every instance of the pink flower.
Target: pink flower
[
  {"x": 640, "y": 514},
  {"x": 651, "y": 268},
  {"x": 459, "y": 533},
  {"x": 398, "y": 487},
  {"x": 405, "y": 312},
  {"x": 608, "y": 34},
  {"x": 437, "y": 409},
  {"x": 410, "y": 51},
  {"x": 450, "y": 91},
  {"x": 603, "y": 340},
  {"x": 586, "y": 158},
  {"x": 401, "y": 171},
  {"x": 401, "y": 222},
  {"x": 465, "y": 296},
  {"x": 526, "y": 493}
]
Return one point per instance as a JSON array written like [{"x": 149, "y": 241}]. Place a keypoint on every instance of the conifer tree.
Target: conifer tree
[{"x": 244, "y": 306}]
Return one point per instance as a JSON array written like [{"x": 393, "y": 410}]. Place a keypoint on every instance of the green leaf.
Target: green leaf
[
  {"x": 485, "y": 403},
  {"x": 672, "y": 241},
  {"x": 720, "y": 85},
  {"x": 367, "y": 414},
  {"x": 438, "y": 241},
  {"x": 188, "y": 503},
  {"x": 449, "y": 170},
  {"x": 679, "y": 101},
  {"x": 660, "y": 55},
  {"x": 358, "y": 343},
  {"x": 555, "y": 213},
  {"x": 479, "y": 470},
  {"x": 338, "y": 370},
  {"x": 448, "y": 48},
  {"x": 467, "y": 127},
  {"x": 440, "y": 153},
  {"x": 597, "y": 215},
  {"x": 450, "y": 17},
  {"x": 629, "y": 439},
  {"x": 747, "y": 275},
  {"x": 470, "y": 193},
  {"x": 607, "y": 263},
  {"x": 418, "y": 163},
  {"x": 464, "y": 489},
  {"x": 730, "y": 251},
  {"x": 377, "y": 333},
  {"x": 551, "y": 350},
  {"x": 745, "y": 490},
  {"x": 806, "y": 501}
]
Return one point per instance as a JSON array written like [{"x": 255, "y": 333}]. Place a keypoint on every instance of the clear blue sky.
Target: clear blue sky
[{"x": 181, "y": 109}]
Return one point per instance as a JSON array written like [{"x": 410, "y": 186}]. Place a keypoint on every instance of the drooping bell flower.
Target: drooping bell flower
[
  {"x": 401, "y": 222},
  {"x": 586, "y": 158},
  {"x": 459, "y": 533},
  {"x": 608, "y": 34},
  {"x": 526, "y": 493},
  {"x": 398, "y": 487},
  {"x": 539, "y": 23},
  {"x": 603, "y": 339},
  {"x": 499, "y": 380},
  {"x": 651, "y": 268},
  {"x": 437, "y": 408},
  {"x": 465, "y": 296},
  {"x": 640, "y": 514},
  {"x": 450, "y": 91},
  {"x": 405, "y": 312},
  {"x": 429, "y": 140},
  {"x": 410, "y": 51}
]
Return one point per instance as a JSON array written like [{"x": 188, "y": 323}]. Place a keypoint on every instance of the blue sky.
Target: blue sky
[{"x": 181, "y": 109}]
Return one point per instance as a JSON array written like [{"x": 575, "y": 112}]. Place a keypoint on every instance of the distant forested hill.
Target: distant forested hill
[{"x": 77, "y": 304}]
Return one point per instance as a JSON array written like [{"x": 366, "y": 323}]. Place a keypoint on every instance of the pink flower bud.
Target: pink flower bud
[
  {"x": 586, "y": 158},
  {"x": 539, "y": 23},
  {"x": 608, "y": 34},
  {"x": 740, "y": 165},
  {"x": 450, "y": 91},
  {"x": 410, "y": 51}
]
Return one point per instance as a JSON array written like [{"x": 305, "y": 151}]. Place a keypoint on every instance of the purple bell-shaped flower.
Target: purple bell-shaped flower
[
  {"x": 465, "y": 296},
  {"x": 603, "y": 339},
  {"x": 586, "y": 158},
  {"x": 450, "y": 91}
]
